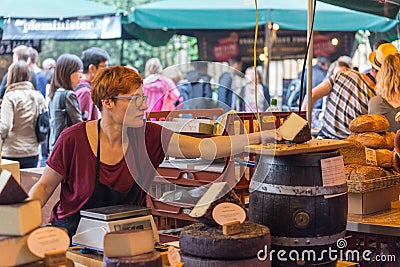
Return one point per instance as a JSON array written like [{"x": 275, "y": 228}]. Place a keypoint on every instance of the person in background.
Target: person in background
[
  {"x": 319, "y": 72},
  {"x": 197, "y": 91},
  {"x": 161, "y": 90},
  {"x": 19, "y": 112},
  {"x": 93, "y": 59},
  {"x": 247, "y": 93},
  {"x": 229, "y": 86},
  {"x": 64, "y": 107},
  {"x": 48, "y": 68},
  {"x": 41, "y": 78},
  {"x": 113, "y": 160},
  {"x": 20, "y": 53},
  {"x": 348, "y": 94},
  {"x": 260, "y": 80},
  {"x": 374, "y": 48},
  {"x": 387, "y": 102}
]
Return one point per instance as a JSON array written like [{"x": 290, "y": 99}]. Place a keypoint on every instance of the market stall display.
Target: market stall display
[{"x": 370, "y": 165}]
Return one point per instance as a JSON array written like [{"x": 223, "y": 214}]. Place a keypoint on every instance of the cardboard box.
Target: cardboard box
[
  {"x": 373, "y": 201},
  {"x": 13, "y": 167}
]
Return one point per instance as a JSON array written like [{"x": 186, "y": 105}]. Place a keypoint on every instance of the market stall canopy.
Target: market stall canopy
[
  {"x": 49, "y": 19},
  {"x": 48, "y": 9},
  {"x": 386, "y": 8},
  {"x": 240, "y": 14}
]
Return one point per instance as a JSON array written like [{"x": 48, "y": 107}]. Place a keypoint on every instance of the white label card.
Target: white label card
[
  {"x": 333, "y": 171},
  {"x": 370, "y": 157},
  {"x": 47, "y": 239},
  {"x": 173, "y": 256},
  {"x": 226, "y": 212}
]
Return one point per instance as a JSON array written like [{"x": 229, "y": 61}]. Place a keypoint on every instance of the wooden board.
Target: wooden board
[{"x": 285, "y": 149}]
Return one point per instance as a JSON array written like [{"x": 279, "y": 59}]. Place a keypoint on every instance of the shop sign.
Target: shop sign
[{"x": 107, "y": 27}]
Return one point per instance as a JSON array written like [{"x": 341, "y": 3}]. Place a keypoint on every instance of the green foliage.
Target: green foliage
[{"x": 127, "y": 52}]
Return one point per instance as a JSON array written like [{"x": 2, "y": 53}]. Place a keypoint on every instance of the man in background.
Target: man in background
[
  {"x": 93, "y": 59},
  {"x": 197, "y": 92},
  {"x": 20, "y": 53},
  {"x": 229, "y": 87},
  {"x": 319, "y": 72},
  {"x": 41, "y": 78}
]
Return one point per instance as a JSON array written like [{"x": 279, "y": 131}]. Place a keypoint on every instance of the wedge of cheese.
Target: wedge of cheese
[
  {"x": 295, "y": 129},
  {"x": 10, "y": 191},
  {"x": 127, "y": 243},
  {"x": 20, "y": 219}
]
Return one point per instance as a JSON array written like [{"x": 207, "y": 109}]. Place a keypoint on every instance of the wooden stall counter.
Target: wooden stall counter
[
  {"x": 96, "y": 260},
  {"x": 380, "y": 223}
]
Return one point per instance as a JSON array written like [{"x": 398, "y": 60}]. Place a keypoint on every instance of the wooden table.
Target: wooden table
[{"x": 29, "y": 177}]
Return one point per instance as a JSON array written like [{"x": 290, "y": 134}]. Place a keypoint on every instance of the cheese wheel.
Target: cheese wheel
[
  {"x": 152, "y": 259},
  {"x": 191, "y": 261},
  {"x": 201, "y": 241}
]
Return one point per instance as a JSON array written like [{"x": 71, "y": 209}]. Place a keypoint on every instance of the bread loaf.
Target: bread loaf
[
  {"x": 369, "y": 123},
  {"x": 389, "y": 138},
  {"x": 384, "y": 158},
  {"x": 348, "y": 169},
  {"x": 369, "y": 139},
  {"x": 366, "y": 173},
  {"x": 353, "y": 154}
]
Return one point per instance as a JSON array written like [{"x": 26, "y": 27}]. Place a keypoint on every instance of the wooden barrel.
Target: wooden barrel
[{"x": 287, "y": 195}]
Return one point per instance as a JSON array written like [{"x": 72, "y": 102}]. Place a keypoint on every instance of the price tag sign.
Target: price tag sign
[
  {"x": 47, "y": 239},
  {"x": 370, "y": 157},
  {"x": 227, "y": 212},
  {"x": 333, "y": 171}
]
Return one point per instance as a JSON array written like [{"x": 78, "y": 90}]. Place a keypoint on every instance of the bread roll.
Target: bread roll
[
  {"x": 369, "y": 139},
  {"x": 369, "y": 123}
]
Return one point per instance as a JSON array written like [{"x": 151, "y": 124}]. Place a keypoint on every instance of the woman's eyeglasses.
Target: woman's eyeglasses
[{"x": 137, "y": 99}]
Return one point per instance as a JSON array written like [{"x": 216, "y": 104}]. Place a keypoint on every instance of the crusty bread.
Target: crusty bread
[
  {"x": 369, "y": 123},
  {"x": 384, "y": 158},
  {"x": 389, "y": 138},
  {"x": 348, "y": 169},
  {"x": 354, "y": 153},
  {"x": 366, "y": 173},
  {"x": 369, "y": 139}
]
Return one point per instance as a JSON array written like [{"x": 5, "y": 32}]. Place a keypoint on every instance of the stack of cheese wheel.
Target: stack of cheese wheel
[
  {"x": 205, "y": 246},
  {"x": 370, "y": 154}
]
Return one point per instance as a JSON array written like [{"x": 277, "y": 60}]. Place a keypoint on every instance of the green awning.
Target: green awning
[
  {"x": 49, "y": 9},
  {"x": 384, "y": 8},
  {"x": 240, "y": 14}
]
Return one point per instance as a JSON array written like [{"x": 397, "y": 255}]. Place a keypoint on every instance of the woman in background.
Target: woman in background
[
  {"x": 387, "y": 102},
  {"x": 64, "y": 107},
  {"x": 161, "y": 90},
  {"x": 19, "y": 112}
]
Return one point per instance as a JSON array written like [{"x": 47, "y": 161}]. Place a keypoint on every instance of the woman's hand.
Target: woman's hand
[{"x": 269, "y": 136}]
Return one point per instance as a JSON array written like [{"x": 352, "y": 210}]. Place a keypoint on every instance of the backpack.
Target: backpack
[{"x": 42, "y": 127}]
